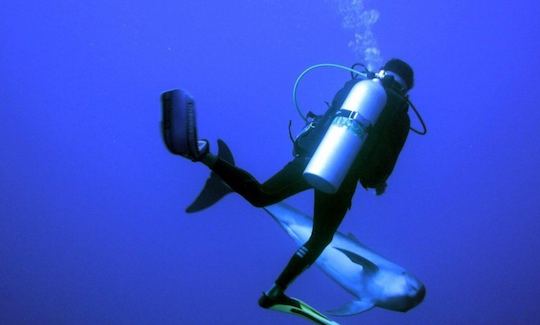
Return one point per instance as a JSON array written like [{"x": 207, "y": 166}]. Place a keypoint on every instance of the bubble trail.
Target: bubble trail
[{"x": 360, "y": 21}]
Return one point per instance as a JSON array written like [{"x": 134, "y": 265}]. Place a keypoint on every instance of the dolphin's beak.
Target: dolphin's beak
[
  {"x": 415, "y": 297},
  {"x": 420, "y": 294}
]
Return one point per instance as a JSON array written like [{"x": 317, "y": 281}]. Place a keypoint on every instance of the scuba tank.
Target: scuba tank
[{"x": 347, "y": 133}]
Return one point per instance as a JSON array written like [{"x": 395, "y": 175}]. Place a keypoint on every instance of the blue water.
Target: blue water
[{"x": 92, "y": 222}]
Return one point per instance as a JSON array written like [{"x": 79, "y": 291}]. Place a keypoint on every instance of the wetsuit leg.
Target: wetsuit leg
[
  {"x": 288, "y": 181},
  {"x": 330, "y": 209}
]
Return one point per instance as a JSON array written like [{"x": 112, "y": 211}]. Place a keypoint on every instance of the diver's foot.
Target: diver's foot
[
  {"x": 272, "y": 302},
  {"x": 293, "y": 306},
  {"x": 179, "y": 126}
]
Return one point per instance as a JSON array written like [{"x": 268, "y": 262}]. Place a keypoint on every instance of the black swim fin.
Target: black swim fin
[
  {"x": 214, "y": 189},
  {"x": 296, "y": 307}
]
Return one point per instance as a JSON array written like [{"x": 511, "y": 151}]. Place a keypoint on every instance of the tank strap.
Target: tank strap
[
  {"x": 346, "y": 113},
  {"x": 366, "y": 124}
]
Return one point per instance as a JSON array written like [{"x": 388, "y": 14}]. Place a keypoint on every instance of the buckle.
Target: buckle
[
  {"x": 353, "y": 115},
  {"x": 347, "y": 114}
]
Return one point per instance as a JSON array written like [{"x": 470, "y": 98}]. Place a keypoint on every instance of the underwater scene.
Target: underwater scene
[{"x": 269, "y": 162}]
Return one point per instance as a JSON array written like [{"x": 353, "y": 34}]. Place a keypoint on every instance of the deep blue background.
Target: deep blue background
[{"x": 92, "y": 222}]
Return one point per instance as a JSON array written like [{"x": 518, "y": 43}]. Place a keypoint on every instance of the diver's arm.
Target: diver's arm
[
  {"x": 385, "y": 153},
  {"x": 395, "y": 136},
  {"x": 381, "y": 188}
]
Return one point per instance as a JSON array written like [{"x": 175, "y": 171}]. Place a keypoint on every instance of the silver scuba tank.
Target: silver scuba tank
[{"x": 346, "y": 135}]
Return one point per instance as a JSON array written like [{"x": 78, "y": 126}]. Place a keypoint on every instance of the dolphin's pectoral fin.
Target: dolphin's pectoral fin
[
  {"x": 352, "y": 237},
  {"x": 352, "y": 308},
  {"x": 368, "y": 265}
]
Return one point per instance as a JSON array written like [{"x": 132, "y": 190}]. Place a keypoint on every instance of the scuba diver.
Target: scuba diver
[{"x": 380, "y": 139}]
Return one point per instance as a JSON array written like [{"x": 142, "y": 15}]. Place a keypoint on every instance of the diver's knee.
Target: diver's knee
[
  {"x": 326, "y": 242},
  {"x": 323, "y": 239},
  {"x": 317, "y": 246},
  {"x": 322, "y": 245},
  {"x": 258, "y": 203},
  {"x": 260, "y": 200}
]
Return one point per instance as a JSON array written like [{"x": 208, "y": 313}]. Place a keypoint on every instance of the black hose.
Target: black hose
[
  {"x": 405, "y": 98},
  {"x": 353, "y": 75},
  {"x": 419, "y": 118},
  {"x": 290, "y": 132}
]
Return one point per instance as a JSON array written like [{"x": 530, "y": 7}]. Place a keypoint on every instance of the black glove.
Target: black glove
[{"x": 380, "y": 188}]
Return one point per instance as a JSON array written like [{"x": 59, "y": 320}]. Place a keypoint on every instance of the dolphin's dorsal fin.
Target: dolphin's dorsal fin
[
  {"x": 351, "y": 308},
  {"x": 352, "y": 237},
  {"x": 368, "y": 265}
]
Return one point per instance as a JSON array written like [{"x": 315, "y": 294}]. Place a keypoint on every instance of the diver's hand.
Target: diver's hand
[{"x": 381, "y": 188}]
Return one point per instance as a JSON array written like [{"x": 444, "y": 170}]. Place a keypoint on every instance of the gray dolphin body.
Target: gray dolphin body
[{"x": 372, "y": 279}]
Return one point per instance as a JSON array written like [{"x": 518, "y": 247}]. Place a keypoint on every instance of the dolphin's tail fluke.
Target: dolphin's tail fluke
[{"x": 214, "y": 189}]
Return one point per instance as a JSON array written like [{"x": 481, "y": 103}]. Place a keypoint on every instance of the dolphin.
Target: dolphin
[{"x": 370, "y": 278}]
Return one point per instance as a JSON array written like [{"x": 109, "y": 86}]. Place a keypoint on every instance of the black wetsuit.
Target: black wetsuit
[{"x": 372, "y": 167}]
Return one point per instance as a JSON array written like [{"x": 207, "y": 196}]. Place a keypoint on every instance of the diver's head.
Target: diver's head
[{"x": 401, "y": 71}]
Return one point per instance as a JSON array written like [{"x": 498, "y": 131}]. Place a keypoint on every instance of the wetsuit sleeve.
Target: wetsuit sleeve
[
  {"x": 392, "y": 140},
  {"x": 397, "y": 137},
  {"x": 382, "y": 148}
]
